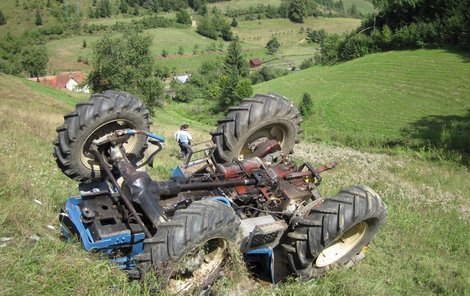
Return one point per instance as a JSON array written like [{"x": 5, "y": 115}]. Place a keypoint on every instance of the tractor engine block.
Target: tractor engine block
[{"x": 279, "y": 188}]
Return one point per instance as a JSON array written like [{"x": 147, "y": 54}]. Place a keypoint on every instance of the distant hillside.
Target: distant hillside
[{"x": 384, "y": 98}]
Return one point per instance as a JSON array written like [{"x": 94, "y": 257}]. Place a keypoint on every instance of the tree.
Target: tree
[
  {"x": 164, "y": 53},
  {"x": 3, "y": 21},
  {"x": 84, "y": 45},
  {"x": 34, "y": 60},
  {"x": 235, "y": 69},
  {"x": 183, "y": 17},
  {"x": 234, "y": 61},
  {"x": 273, "y": 45},
  {"x": 38, "y": 21},
  {"x": 180, "y": 50},
  {"x": 297, "y": 10},
  {"x": 123, "y": 62}
]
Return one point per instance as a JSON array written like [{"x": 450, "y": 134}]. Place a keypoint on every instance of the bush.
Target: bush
[
  {"x": 355, "y": 46},
  {"x": 306, "y": 105},
  {"x": 3, "y": 21},
  {"x": 273, "y": 45},
  {"x": 267, "y": 73},
  {"x": 329, "y": 50},
  {"x": 316, "y": 36},
  {"x": 307, "y": 63},
  {"x": 186, "y": 92},
  {"x": 215, "y": 26},
  {"x": 183, "y": 17}
]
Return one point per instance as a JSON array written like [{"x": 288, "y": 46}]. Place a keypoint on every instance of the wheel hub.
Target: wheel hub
[
  {"x": 343, "y": 245},
  {"x": 87, "y": 158},
  {"x": 201, "y": 263}
]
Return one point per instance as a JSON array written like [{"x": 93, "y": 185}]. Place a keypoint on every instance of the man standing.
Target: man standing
[{"x": 184, "y": 138}]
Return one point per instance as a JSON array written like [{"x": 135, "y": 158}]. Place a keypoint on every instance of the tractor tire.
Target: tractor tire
[
  {"x": 102, "y": 114},
  {"x": 253, "y": 122},
  {"x": 189, "y": 252},
  {"x": 335, "y": 232}
]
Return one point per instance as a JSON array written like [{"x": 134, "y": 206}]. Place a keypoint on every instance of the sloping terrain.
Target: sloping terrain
[
  {"x": 383, "y": 98},
  {"x": 421, "y": 250}
]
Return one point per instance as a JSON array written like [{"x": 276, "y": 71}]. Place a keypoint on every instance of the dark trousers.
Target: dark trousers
[{"x": 187, "y": 151}]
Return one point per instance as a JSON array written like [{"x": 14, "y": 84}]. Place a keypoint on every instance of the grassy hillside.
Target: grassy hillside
[
  {"x": 421, "y": 249},
  {"x": 254, "y": 35},
  {"x": 363, "y": 6},
  {"x": 382, "y": 98}
]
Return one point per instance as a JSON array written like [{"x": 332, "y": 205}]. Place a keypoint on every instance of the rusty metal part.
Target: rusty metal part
[
  {"x": 210, "y": 185},
  {"x": 327, "y": 166},
  {"x": 265, "y": 148},
  {"x": 237, "y": 168},
  {"x": 124, "y": 197}
]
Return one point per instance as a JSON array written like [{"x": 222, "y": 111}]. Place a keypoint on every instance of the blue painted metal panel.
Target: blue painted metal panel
[
  {"x": 107, "y": 245},
  {"x": 264, "y": 257}
]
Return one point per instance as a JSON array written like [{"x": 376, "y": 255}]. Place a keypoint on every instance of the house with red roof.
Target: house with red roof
[
  {"x": 67, "y": 80},
  {"x": 255, "y": 63}
]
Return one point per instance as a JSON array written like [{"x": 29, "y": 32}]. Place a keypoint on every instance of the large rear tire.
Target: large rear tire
[
  {"x": 189, "y": 252},
  {"x": 102, "y": 114},
  {"x": 255, "y": 121},
  {"x": 335, "y": 232}
]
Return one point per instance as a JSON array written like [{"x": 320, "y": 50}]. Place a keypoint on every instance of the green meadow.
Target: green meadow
[{"x": 374, "y": 100}]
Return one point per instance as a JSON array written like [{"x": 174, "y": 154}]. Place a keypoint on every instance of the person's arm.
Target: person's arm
[{"x": 177, "y": 136}]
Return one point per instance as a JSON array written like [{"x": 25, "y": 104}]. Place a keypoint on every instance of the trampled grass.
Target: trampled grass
[{"x": 376, "y": 98}]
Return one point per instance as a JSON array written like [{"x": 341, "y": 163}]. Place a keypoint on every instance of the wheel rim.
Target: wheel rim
[
  {"x": 200, "y": 264},
  {"x": 86, "y": 156},
  {"x": 343, "y": 245},
  {"x": 271, "y": 131}
]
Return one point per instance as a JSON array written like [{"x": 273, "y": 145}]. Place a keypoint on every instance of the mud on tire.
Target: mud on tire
[
  {"x": 102, "y": 114},
  {"x": 189, "y": 251},
  {"x": 335, "y": 231},
  {"x": 255, "y": 120}
]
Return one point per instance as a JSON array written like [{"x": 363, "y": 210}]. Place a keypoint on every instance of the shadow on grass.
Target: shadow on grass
[
  {"x": 450, "y": 134},
  {"x": 464, "y": 55}
]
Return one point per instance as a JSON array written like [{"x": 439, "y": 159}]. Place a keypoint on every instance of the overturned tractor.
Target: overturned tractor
[{"x": 244, "y": 191}]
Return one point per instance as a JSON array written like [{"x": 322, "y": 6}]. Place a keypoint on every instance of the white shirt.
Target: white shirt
[{"x": 183, "y": 136}]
